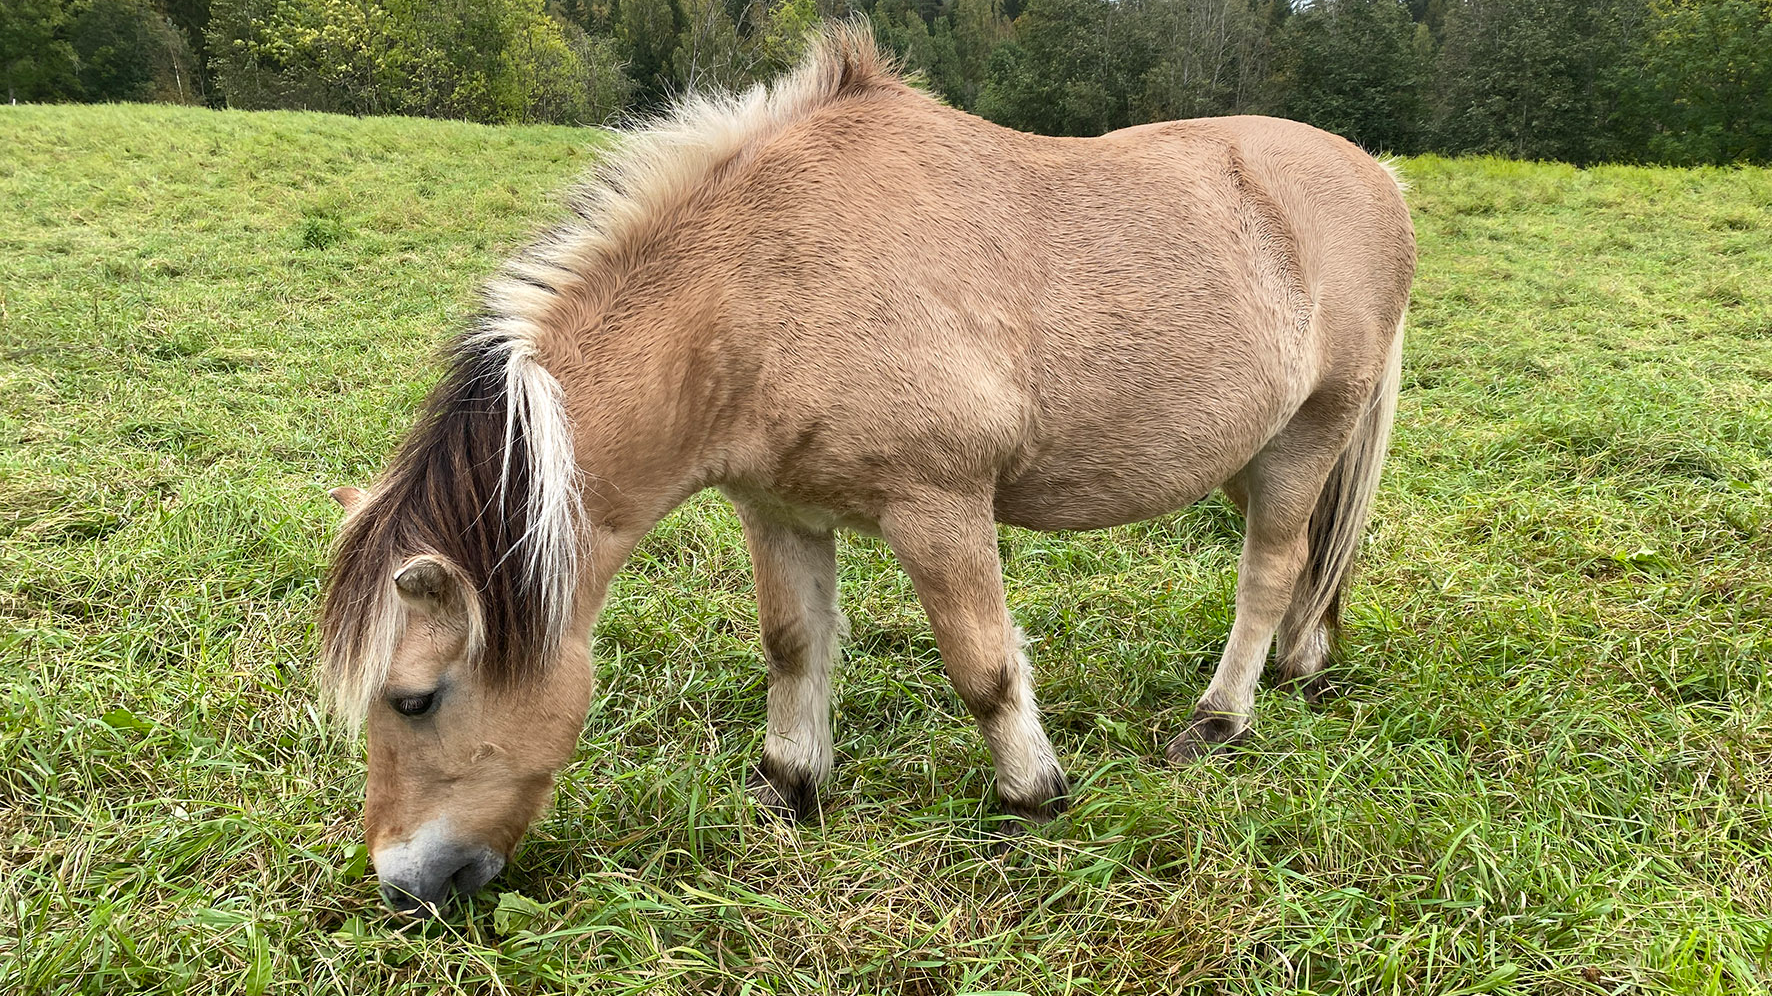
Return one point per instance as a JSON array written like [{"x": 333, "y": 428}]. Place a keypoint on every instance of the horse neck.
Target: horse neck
[{"x": 643, "y": 436}]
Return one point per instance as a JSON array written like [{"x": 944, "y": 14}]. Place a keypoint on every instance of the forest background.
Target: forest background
[{"x": 1582, "y": 81}]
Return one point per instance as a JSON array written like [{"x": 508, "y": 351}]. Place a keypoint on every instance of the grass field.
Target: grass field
[{"x": 1549, "y": 770}]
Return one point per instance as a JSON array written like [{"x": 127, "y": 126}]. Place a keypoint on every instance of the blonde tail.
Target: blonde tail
[{"x": 1339, "y": 521}]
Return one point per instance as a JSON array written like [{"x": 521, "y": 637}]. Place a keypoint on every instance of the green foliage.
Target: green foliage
[
  {"x": 95, "y": 50},
  {"x": 1219, "y": 65},
  {"x": 786, "y": 27},
  {"x": 483, "y": 60},
  {"x": 1071, "y": 69},
  {"x": 191, "y": 19},
  {"x": 1550, "y": 770},
  {"x": 930, "y": 53},
  {"x": 1534, "y": 79},
  {"x": 976, "y": 27},
  {"x": 35, "y": 55},
  {"x": 127, "y": 50},
  {"x": 647, "y": 33},
  {"x": 1583, "y": 81},
  {"x": 1354, "y": 68},
  {"x": 709, "y": 55},
  {"x": 1707, "y": 70}
]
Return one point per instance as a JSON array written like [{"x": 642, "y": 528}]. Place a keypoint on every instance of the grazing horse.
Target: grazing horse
[{"x": 846, "y": 305}]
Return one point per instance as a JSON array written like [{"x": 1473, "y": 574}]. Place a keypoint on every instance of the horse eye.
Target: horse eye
[{"x": 414, "y": 705}]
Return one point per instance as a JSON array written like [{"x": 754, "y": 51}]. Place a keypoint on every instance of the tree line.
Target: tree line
[{"x": 1677, "y": 81}]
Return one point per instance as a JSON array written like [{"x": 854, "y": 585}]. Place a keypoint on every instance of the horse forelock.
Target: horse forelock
[{"x": 488, "y": 482}]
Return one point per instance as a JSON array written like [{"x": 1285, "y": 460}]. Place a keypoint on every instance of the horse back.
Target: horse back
[{"x": 1098, "y": 329}]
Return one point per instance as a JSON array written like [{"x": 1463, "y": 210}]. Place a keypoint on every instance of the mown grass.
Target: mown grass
[{"x": 1550, "y": 769}]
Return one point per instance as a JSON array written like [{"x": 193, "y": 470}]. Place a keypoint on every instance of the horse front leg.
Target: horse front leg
[
  {"x": 802, "y": 628},
  {"x": 948, "y": 546}
]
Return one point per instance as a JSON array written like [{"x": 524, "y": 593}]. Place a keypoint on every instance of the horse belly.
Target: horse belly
[
  {"x": 1124, "y": 481},
  {"x": 1125, "y": 448}
]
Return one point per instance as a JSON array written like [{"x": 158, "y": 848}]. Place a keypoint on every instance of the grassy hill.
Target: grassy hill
[{"x": 1550, "y": 769}]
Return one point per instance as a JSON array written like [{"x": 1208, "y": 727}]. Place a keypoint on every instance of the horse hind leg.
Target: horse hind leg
[
  {"x": 1275, "y": 547},
  {"x": 1306, "y": 637},
  {"x": 1304, "y": 643},
  {"x": 1305, "y": 498},
  {"x": 802, "y": 627},
  {"x": 1307, "y": 633}
]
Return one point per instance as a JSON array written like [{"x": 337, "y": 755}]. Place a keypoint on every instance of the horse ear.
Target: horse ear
[
  {"x": 348, "y": 498},
  {"x": 427, "y": 583}
]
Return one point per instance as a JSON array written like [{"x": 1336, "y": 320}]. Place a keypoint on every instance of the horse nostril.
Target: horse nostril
[
  {"x": 409, "y": 902},
  {"x": 482, "y": 868},
  {"x": 424, "y": 888}
]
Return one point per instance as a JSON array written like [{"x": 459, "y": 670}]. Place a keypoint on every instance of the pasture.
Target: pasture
[{"x": 1549, "y": 767}]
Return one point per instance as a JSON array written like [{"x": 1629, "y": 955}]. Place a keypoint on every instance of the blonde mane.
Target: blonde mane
[{"x": 658, "y": 166}]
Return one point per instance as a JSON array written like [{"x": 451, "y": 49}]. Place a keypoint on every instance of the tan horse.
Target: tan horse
[{"x": 846, "y": 305}]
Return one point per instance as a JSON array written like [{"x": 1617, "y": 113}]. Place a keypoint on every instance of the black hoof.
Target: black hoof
[
  {"x": 1313, "y": 688},
  {"x": 1211, "y": 732},
  {"x": 1042, "y": 805},
  {"x": 788, "y": 794}
]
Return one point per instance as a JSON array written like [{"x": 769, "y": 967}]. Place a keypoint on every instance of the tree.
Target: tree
[
  {"x": 35, "y": 56},
  {"x": 977, "y": 28},
  {"x": 646, "y": 31},
  {"x": 709, "y": 55},
  {"x": 191, "y": 18},
  {"x": 899, "y": 25},
  {"x": 783, "y": 34},
  {"x": 1583, "y": 81},
  {"x": 1209, "y": 56},
  {"x": 128, "y": 50},
  {"x": 1533, "y": 78},
  {"x": 1352, "y": 67},
  {"x": 1071, "y": 68},
  {"x": 1707, "y": 81},
  {"x": 484, "y": 60}
]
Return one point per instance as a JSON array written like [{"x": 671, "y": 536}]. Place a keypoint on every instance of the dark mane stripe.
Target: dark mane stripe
[{"x": 461, "y": 488}]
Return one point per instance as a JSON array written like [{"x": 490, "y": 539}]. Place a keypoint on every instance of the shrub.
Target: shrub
[{"x": 482, "y": 60}]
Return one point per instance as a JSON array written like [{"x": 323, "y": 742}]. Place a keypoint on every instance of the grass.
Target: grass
[{"x": 1550, "y": 771}]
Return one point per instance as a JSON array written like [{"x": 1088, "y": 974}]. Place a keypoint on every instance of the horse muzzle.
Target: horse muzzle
[{"x": 421, "y": 876}]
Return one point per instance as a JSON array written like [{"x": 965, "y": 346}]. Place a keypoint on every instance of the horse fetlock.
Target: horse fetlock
[
  {"x": 1030, "y": 781},
  {"x": 1302, "y": 657},
  {"x": 1038, "y": 799},
  {"x": 1211, "y": 730}
]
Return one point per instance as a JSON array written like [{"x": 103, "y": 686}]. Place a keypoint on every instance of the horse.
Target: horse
[{"x": 846, "y": 305}]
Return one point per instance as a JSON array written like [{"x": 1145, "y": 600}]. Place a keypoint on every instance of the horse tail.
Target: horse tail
[{"x": 1339, "y": 520}]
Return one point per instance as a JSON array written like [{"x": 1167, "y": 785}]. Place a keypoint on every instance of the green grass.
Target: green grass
[{"x": 1550, "y": 769}]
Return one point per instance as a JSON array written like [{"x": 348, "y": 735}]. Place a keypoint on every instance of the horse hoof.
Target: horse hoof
[
  {"x": 783, "y": 795},
  {"x": 1313, "y": 688},
  {"x": 1209, "y": 733},
  {"x": 1316, "y": 689}
]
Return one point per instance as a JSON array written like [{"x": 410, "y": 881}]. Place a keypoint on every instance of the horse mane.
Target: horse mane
[
  {"x": 656, "y": 168},
  {"x": 488, "y": 478}
]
